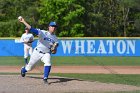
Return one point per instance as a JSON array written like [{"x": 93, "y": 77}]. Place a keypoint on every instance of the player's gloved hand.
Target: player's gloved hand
[
  {"x": 54, "y": 48},
  {"x": 30, "y": 40}
]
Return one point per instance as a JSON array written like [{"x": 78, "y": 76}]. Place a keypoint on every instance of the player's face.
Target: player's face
[
  {"x": 26, "y": 30},
  {"x": 52, "y": 28}
]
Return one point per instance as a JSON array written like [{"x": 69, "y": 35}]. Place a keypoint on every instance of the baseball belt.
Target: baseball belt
[{"x": 40, "y": 51}]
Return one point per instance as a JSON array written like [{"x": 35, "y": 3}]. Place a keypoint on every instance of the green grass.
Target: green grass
[
  {"x": 64, "y": 61},
  {"x": 106, "y": 78},
  {"x": 120, "y": 61},
  {"x": 12, "y": 61}
]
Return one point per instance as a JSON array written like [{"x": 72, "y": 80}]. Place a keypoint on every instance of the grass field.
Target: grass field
[{"x": 78, "y": 61}]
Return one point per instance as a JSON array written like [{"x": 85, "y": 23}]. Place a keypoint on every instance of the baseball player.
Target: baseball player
[
  {"x": 47, "y": 44},
  {"x": 27, "y": 38}
]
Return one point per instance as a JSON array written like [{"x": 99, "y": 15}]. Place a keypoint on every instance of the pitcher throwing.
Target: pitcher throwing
[{"x": 47, "y": 44}]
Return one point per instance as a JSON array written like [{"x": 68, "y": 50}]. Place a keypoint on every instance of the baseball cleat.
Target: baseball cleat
[
  {"x": 23, "y": 72},
  {"x": 45, "y": 81}
]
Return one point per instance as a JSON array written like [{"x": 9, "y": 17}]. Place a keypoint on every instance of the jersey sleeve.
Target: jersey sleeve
[{"x": 35, "y": 31}]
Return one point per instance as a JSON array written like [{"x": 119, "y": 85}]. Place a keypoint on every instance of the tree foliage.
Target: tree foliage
[
  {"x": 9, "y": 12},
  {"x": 67, "y": 13},
  {"x": 75, "y": 18}
]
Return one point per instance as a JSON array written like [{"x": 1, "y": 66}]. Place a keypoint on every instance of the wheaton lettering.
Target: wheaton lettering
[{"x": 98, "y": 46}]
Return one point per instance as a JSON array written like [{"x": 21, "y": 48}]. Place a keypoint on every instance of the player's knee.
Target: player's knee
[
  {"x": 25, "y": 56},
  {"x": 30, "y": 52},
  {"x": 47, "y": 64}
]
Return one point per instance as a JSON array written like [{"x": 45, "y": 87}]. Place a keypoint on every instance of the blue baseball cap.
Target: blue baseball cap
[{"x": 53, "y": 24}]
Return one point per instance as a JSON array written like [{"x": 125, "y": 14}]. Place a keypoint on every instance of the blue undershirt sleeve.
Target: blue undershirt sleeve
[{"x": 35, "y": 31}]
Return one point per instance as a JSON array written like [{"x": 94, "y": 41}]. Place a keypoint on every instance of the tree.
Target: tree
[
  {"x": 11, "y": 9},
  {"x": 102, "y": 18},
  {"x": 126, "y": 6},
  {"x": 67, "y": 13}
]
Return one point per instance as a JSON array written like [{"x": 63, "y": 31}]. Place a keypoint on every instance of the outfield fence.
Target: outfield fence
[{"x": 80, "y": 46}]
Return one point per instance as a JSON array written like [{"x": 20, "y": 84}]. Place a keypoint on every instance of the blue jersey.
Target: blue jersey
[{"x": 45, "y": 41}]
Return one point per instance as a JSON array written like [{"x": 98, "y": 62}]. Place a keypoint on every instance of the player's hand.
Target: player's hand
[
  {"x": 53, "y": 51},
  {"x": 54, "y": 48},
  {"x": 21, "y": 19}
]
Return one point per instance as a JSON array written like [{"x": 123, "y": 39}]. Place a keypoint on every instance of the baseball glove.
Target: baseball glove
[
  {"x": 54, "y": 48},
  {"x": 30, "y": 40}
]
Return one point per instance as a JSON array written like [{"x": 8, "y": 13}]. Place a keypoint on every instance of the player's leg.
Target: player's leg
[
  {"x": 47, "y": 65},
  {"x": 30, "y": 50},
  {"x": 35, "y": 57},
  {"x": 26, "y": 54}
]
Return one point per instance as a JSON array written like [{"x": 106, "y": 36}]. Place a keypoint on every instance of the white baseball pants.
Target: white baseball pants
[
  {"x": 27, "y": 50},
  {"x": 36, "y": 57}
]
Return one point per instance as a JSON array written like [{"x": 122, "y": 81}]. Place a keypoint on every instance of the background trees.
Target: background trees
[
  {"x": 10, "y": 10},
  {"x": 74, "y": 17},
  {"x": 67, "y": 13}
]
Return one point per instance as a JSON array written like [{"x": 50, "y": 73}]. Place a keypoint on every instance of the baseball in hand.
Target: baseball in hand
[{"x": 20, "y": 17}]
